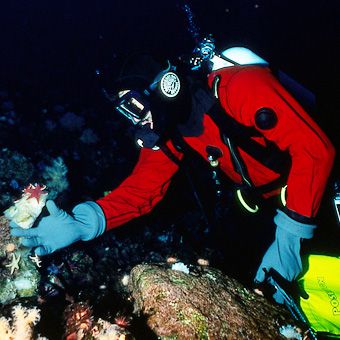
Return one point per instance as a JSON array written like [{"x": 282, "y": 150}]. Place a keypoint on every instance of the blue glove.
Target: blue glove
[
  {"x": 60, "y": 229},
  {"x": 283, "y": 254}
]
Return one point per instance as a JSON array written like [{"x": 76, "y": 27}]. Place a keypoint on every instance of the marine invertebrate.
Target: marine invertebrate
[
  {"x": 171, "y": 260},
  {"x": 290, "y": 332},
  {"x": 79, "y": 320},
  {"x": 19, "y": 277},
  {"x": 25, "y": 211},
  {"x": 125, "y": 280},
  {"x": 55, "y": 177},
  {"x": 36, "y": 260},
  {"x": 35, "y": 191},
  {"x": 180, "y": 266},
  {"x": 20, "y": 326},
  {"x": 203, "y": 262},
  {"x": 26, "y": 283},
  {"x": 104, "y": 330},
  {"x": 22, "y": 282},
  {"x": 14, "y": 264},
  {"x": 122, "y": 321},
  {"x": 7, "y": 245},
  {"x": 10, "y": 247},
  {"x": 80, "y": 324}
]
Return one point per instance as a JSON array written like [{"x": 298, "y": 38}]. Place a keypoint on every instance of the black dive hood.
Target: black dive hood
[
  {"x": 148, "y": 86},
  {"x": 167, "y": 90}
]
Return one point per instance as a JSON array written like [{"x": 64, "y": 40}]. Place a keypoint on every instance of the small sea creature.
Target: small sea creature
[
  {"x": 171, "y": 259},
  {"x": 34, "y": 191},
  {"x": 36, "y": 260},
  {"x": 48, "y": 291},
  {"x": 122, "y": 321},
  {"x": 125, "y": 280},
  {"x": 180, "y": 266},
  {"x": 79, "y": 320},
  {"x": 10, "y": 247},
  {"x": 51, "y": 287},
  {"x": 290, "y": 332},
  {"x": 54, "y": 279},
  {"x": 54, "y": 269},
  {"x": 14, "y": 264},
  {"x": 203, "y": 262},
  {"x": 106, "y": 330}
]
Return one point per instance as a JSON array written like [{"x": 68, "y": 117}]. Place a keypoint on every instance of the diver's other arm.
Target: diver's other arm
[
  {"x": 284, "y": 253},
  {"x": 251, "y": 92}
]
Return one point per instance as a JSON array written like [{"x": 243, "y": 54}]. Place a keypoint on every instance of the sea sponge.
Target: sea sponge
[{"x": 25, "y": 211}]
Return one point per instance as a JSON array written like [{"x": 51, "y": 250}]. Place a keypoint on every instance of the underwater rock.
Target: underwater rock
[
  {"x": 203, "y": 304},
  {"x": 89, "y": 137},
  {"x": 19, "y": 276},
  {"x": 72, "y": 121}
]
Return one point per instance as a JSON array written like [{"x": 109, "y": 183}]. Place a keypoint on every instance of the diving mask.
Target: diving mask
[{"x": 133, "y": 105}]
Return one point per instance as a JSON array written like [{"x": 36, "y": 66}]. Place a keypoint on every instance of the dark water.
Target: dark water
[
  {"x": 53, "y": 48},
  {"x": 58, "y": 42}
]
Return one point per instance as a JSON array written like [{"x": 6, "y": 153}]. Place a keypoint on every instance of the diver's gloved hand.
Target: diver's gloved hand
[
  {"x": 60, "y": 229},
  {"x": 283, "y": 254}
]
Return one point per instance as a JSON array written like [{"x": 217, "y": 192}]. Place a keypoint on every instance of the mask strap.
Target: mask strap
[{"x": 160, "y": 75}]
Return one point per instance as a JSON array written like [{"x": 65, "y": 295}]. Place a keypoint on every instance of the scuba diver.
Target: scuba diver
[{"x": 262, "y": 139}]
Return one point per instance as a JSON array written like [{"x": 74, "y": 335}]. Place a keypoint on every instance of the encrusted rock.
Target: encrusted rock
[
  {"x": 19, "y": 276},
  {"x": 202, "y": 304}
]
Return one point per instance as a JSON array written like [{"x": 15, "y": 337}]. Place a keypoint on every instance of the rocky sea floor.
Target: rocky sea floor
[{"x": 97, "y": 272}]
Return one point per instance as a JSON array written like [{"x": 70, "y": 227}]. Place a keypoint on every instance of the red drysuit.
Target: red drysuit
[{"x": 242, "y": 91}]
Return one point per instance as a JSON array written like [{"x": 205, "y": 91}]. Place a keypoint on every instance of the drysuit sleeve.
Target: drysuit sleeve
[
  {"x": 253, "y": 89},
  {"x": 142, "y": 190}
]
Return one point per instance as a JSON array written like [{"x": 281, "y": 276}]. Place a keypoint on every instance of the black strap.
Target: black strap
[
  {"x": 238, "y": 162},
  {"x": 236, "y": 135},
  {"x": 269, "y": 155},
  {"x": 170, "y": 154}
]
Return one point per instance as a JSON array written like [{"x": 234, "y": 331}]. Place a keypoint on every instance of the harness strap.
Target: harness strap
[
  {"x": 170, "y": 154},
  {"x": 238, "y": 162},
  {"x": 270, "y": 155}
]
